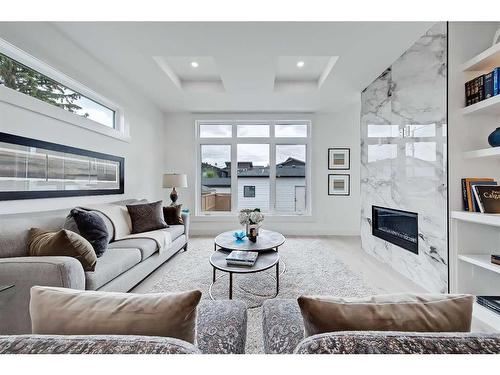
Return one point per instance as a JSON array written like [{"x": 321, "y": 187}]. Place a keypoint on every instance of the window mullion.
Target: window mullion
[
  {"x": 272, "y": 177},
  {"x": 272, "y": 171},
  {"x": 234, "y": 171}
]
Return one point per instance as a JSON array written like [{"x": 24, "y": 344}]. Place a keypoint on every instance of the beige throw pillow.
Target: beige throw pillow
[
  {"x": 62, "y": 243},
  {"x": 396, "y": 312},
  {"x": 62, "y": 311}
]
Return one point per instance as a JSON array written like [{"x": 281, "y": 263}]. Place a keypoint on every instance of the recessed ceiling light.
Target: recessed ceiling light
[
  {"x": 194, "y": 64},
  {"x": 300, "y": 64}
]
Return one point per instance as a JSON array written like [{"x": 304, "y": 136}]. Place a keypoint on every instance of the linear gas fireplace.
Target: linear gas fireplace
[{"x": 396, "y": 226}]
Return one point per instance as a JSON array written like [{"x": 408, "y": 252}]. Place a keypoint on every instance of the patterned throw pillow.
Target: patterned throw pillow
[
  {"x": 62, "y": 243},
  {"x": 173, "y": 215},
  {"x": 90, "y": 226},
  {"x": 146, "y": 217}
]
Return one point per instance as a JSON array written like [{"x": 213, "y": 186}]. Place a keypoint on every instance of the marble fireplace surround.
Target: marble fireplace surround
[{"x": 403, "y": 157}]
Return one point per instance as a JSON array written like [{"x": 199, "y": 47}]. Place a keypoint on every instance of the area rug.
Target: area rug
[{"x": 307, "y": 266}]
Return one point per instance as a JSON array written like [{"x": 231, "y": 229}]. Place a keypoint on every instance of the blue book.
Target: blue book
[
  {"x": 496, "y": 81},
  {"x": 491, "y": 82},
  {"x": 474, "y": 200}
]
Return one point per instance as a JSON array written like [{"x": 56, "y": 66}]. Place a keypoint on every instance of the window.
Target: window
[
  {"x": 291, "y": 178},
  {"x": 253, "y": 167},
  {"x": 25, "y": 80},
  {"x": 246, "y": 164},
  {"x": 24, "y": 74},
  {"x": 249, "y": 191},
  {"x": 215, "y": 178},
  {"x": 291, "y": 130},
  {"x": 216, "y": 131},
  {"x": 253, "y": 130}
]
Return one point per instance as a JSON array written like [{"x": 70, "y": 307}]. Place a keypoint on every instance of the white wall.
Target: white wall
[
  {"x": 330, "y": 214},
  {"x": 144, "y": 155}
]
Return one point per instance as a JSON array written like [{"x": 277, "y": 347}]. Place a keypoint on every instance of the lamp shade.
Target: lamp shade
[{"x": 171, "y": 180}]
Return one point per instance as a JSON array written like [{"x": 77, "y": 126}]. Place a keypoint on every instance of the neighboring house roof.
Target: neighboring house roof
[
  {"x": 292, "y": 161},
  {"x": 216, "y": 182},
  {"x": 256, "y": 172},
  {"x": 298, "y": 171}
]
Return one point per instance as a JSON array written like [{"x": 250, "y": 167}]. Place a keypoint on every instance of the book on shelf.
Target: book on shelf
[
  {"x": 488, "y": 198},
  {"x": 474, "y": 90},
  {"x": 468, "y": 194},
  {"x": 491, "y": 83},
  {"x": 490, "y": 302},
  {"x": 475, "y": 202},
  {"x": 495, "y": 259},
  {"x": 242, "y": 258}
]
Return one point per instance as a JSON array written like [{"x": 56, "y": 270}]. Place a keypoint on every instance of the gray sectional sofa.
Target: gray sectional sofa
[
  {"x": 124, "y": 264},
  {"x": 283, "y": 330},
  {"x": 221, "y": 328}
]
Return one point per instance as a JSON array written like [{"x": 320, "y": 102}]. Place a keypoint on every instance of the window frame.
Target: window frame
[
  {"x": 11, "y": 96},
  {"x": 272, "y": 141}
]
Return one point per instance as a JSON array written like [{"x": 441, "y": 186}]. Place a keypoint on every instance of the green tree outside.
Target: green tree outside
[{"x": 28, "y": 81}]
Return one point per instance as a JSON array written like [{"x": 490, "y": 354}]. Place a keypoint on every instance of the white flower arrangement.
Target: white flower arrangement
[{"x": 248, "y": 216}]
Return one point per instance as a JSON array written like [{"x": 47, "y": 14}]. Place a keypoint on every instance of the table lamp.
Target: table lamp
[{"x": 173, "y": 180}]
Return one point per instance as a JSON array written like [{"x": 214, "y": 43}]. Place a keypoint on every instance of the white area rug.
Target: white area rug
[{"x": 310, "y": 268}]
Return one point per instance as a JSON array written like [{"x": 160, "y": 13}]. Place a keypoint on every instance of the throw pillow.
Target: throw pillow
[
  {"x": 62, "y": 243},
  {"x": 108, "y": 313},
  {"x": 146, "y": 217},
  {"x": 173, "y": 215},
  {"x": 90, "y": 226},
  {"x": 397, "y": 312}
]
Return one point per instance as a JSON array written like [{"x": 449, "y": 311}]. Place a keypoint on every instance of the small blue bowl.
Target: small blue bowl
[{"x": 239, "y": 236}]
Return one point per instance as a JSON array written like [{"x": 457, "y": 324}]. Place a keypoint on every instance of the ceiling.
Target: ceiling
[{"x": 246, "y": 66}]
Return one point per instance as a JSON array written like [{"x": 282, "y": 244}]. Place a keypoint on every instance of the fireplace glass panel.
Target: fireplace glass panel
[{"x": 396, "y": 226}]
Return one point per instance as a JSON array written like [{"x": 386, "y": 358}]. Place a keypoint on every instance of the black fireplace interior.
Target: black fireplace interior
[{"x": 396, "y": 226}]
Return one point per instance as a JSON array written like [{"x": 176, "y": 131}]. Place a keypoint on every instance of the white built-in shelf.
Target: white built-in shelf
[
  {"x": 477, "y": 217},
  {"x": 480, "y": 260},
  {"x": 485, "y": 61},
  {"x": 490, "y": 152},
  {"x": 487, "y": 317},
  {"x": 489, "y": 106}
]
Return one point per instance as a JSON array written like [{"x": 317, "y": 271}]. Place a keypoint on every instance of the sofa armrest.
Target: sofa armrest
[
  {"x": 186, "y": 219},
  {"x": 282, "y": 324},
  {"x": 24, "y": 272},
  {"x": 221, "y": 327}
]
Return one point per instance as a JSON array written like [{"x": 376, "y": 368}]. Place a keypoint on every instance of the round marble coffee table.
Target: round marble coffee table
[
  {"x": 267, "y": 245},
  {"x": 266, "y": 240}
]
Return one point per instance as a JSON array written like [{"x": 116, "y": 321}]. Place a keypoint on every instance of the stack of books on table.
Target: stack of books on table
[
  {"x": 481, "y": 195},
  {"x": 490, "y": 302},
  {"x": 242, "y": 258}
]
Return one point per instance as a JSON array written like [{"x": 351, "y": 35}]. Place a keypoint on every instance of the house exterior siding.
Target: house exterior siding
[
  {"x": 285, "y": 193},
  {"x": 262, "y": 193}
]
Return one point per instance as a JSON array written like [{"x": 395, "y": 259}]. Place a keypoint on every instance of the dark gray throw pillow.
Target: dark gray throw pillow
[
  {"x": 146, "y": 217},
  {"x": 90, "y": 226}
]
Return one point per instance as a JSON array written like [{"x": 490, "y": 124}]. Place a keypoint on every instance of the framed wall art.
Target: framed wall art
[
  {"x": 339, "y": 184},
  {"x": 30, "y": 168},
  {"x": 339, "y": 158}
]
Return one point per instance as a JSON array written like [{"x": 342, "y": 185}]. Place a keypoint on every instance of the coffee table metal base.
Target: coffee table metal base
[{"x": 215, "y": 278}]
